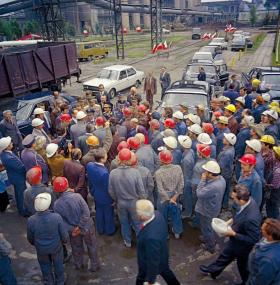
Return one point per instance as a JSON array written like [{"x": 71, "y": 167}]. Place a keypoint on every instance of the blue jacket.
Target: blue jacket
[
  {"x": 273, "y": 131},
  {"x": 152, "y": 249},
  {"x": 240, "y": 145},
  {"x": 264, "y": 264},
  {"x": 260, "y": 166},
  {"x": 98, "y": 179},
  {"x": 187, "y": 165},
  {"x": 254, "y": 185},
  {"x": 248, "y": 102},
  {"x": 198, "y": 170},
  {"x": 147, "y": 157},
  {"x": 177, "y": 156},
  {"x": 213, "y": 151},
  {"x": 45, "y": 230},
  {"x": 14, "y": 167},
  {"x": 238, "y": 115},
  {"x": 256, "y": 112},
  {"x": 220, "y": 137},
  {"x": 231, "y": 94},
  {"x": 226, "y": 161},
  {"x": 181, "y": 128}
]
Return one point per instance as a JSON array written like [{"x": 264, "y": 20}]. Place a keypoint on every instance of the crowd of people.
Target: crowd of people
[{"x": 131, "y": 158}]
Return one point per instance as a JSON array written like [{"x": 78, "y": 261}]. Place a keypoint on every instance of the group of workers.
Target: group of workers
[{"x": 133, "y": 159}]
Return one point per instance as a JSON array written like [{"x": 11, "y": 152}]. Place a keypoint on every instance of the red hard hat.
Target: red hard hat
[
  {"x": 124, "y": 154},
  {"x": 60, "y": 184},
  {"x": 121, "y": 145},
  {"x": 208, "y": 128},
  {"x": 249, "y": 159},
  {"x": 155, "y": 124},
  {"x": 142, "y": 108},
  {"x": 133, "y": 143},
  {"x": 65, "y": 118},
  {"x": 217, "y": 114},
  {"x": 165, "y": 156},
  {"x": 34, "y": 175},
  {"x": 127, "y": 112},
  {"x": 204, "y": 149},
  {"x": 169, "y": 123},
  {"x": 99, "y": 121},
  {"x": 134, "y": 159}
]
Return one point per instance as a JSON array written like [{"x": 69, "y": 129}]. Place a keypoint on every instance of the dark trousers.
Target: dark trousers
[
  {"x": 167, "y": 275},
  {"x": 19, "y": 188},
  {"x": 149, "y": 98},
  {"x": 228, "y": 255},
  {"x": 52, "y": 268},
  {"x": 105, "y": 223},
  {"x": 7, "y": 276},
  {"x": 162, "y": 92}
]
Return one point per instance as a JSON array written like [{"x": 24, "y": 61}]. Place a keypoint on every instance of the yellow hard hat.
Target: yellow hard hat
[
  {"x": 92, "y": 141},
  {"x": 277, "y": 109},
  {"x": 256, "y": 82},
  {"x": 277, "y": 150},
  {"x": 231, "y": 108},
  {"x": 274, "y": 104},
  {"x": 268, "y": 139}
]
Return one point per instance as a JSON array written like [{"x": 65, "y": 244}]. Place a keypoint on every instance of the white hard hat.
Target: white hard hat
[
  {"x": 231, "y": 138},
  {"x": 196, "y": 129},
  {"x": 212, "y": 166},
  {"x": 38, "y": 111},
  {"x": 81, "y": 115},
  {"x": 51, "y": 149},
  {"x": 219, "y": 226},
  {"x": 37, "y": 122},
  {"x": 204, "y": 138},
  {"x": 185, "y": 141},
  {"x": 5, "y": 142},
  {"x": 241, "y": 100},
  {"x": 249, "y": 120},
  {"x": 168, "y": 133},
  {"x": 42, "y": 202},
  {"x": 272, "y": 114},
  {"x": 266, "y": 97},
  {"x": 178, "y": 115},
  {"x": 170, "y": 142},
  {"x": 193, "y": 118},
  {"x": 254, "y": 144}
]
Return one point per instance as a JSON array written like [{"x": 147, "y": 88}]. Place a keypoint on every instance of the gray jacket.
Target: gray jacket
[
  {"x": 198, "y": 170},
  {"x": 148, "y": 158},
  {"x": 210, "y": 195},
  {"x": 187, "y": 164},
  {"x": 76, "y": 131},
  {"x": 148, "y": 181}
]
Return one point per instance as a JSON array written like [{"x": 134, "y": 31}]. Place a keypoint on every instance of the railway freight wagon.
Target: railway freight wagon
[{"x": 43, "y": 65}]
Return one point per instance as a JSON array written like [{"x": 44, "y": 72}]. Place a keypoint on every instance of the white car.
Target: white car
[
  {"x": 219, "y": 42},
  {"x": 165, "y": 31},
  {"x": 115, "y": 78}
]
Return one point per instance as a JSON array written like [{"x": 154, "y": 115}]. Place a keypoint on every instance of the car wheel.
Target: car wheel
[
  {"x": 137, "y": 84},
  {"x": 112, "y": 93}
]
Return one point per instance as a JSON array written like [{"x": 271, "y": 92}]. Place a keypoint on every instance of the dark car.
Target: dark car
[
  {"x": 238, "y": 43},
  {"x": 196, "y": 34},
  {"x": 249, "y": 43},
  {"x": 269, "y": 77},
  {"x": 24, "y": 106},
  {"x": 190, "y": 92},
  {"x": 215, "y": 50}
]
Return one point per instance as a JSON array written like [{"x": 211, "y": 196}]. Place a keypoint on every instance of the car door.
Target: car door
[
  {"x": 123, "y": 81},
  {"x": 132, "y": 78}
]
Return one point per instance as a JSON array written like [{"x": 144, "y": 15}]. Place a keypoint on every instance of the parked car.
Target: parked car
[
  {"x": 215, "y": 50},
  {"x": 196, "y": 34},
  {"x": 238, "y": 43},
  {"x": 249, "y": 42},
  {"x": 115, "y": 78},
  {"x": 165, "y": 31},
  {"x": 269, "y": 77},
  {"x": 217, "y": 60},
  {"x": 219, "y": 42},
  {"x": 91, "y": 50},
  {"x": 190, "y": 92}
]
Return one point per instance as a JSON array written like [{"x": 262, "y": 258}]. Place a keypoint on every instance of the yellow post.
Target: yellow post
[
  {"x": 233, "y": 62},
  {"x": 239, "y": 54}
]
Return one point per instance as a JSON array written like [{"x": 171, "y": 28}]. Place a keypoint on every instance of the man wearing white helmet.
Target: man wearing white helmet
[
  {"x": 79, "y": 128},
  {"x": 172, "y": 145},
  {"x": 272, "y": 128},
  {"x": 266, "y": 98},
  {"x": 226, "y": 162},
  {"x": 222, "y": 127},
  {"x": 210, "y": 192},
  {"x": 46, "y": 231},
  {"x": 193, "y": 132},
  {"x": 180, "y": 125},
  {"x": 38, "y": 129},
  {"x": 187, "y": 165},
  {"x": 40, "y": 113},
  {"x": 15, "y": 171},
  {"x": 239, "y": 104},
  {"x": 204, "y": 138},
  {"x": 192, "y": 119}
]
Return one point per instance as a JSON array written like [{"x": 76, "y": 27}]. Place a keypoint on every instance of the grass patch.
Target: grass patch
[
  {"x": 257, "y": 41},
  {"x": 273, "y": 60}
]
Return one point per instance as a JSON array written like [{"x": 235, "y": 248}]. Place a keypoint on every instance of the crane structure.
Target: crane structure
[
  {"x": 117, "y": 7},
  {"x": 156, "y": 22}
]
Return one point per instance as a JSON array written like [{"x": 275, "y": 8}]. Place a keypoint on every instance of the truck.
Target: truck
[{"x": 30, "y": 68}]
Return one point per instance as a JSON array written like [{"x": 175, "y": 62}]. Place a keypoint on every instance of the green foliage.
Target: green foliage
[
  {"x": 10, "y": 29},
  {"x": 253, "y": 15},
  {"x": 69, "y": 29},
  {"x": 31, "y": 27}
]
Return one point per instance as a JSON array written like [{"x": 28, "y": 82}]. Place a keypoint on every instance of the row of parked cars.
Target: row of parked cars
[{"x": 241, "y": 40}]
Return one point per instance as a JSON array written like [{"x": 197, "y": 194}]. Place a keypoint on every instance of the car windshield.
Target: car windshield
[
  {"x": 272, "y": 81},
  {"x": 202, "y": 56},
  {"x": 108, "y": 74},
  {"x": 174, "y": 99},
  {"x": 217, "y": 41},
  {"x": 23, "y": 111},
  {"x": 238, "y": 40},
  {"x": 207, "y": 68}
]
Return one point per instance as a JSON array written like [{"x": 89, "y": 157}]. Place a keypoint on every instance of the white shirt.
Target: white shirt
[
  {"x": 148, "y": 221},
  {"x": 244, "y": 206}
]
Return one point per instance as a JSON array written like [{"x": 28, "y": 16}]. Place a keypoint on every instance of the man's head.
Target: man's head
[
  {"x": 101, "y": 88},
  {"x": 133, "y": 90},
  {"x": 100, "y": 155},
  {"x": 271, "y": 229},
  {"x": 103, "y": 98},
  {"x": 76, "y": 154},
  {"x": 56, "y": 94},
  {"x": 162, "y": 69},
  {"x": 144, "y": 209},
  {"x": 8, "y": 114},
  {"x": 248, "y": 162},
  {"x": 242, "y": 91},
  {"x": 34, "y": 175},
  {"x": 240, "y": 194}
]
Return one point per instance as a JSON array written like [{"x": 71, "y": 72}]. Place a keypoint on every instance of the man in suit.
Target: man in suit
[
  {"x": 164, "y": 80},
  {"x": 243, "y": 234},
  {"x": 152, "y": 246},
  {"x": 102, "y": 92},
  {"x": 150, "y": 87}
]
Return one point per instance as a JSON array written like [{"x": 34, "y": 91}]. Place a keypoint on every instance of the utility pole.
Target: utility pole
[
  {"x": 277, "y": 32},
  {"x": 156, "y": 22},
  {"x": 117, "y": 6}
]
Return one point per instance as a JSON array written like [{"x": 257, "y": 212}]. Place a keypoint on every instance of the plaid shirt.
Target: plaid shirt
[
  {"x": 269, "y": 160},
  {"x": 275, "y": 183},
  {"x": 169, "y": 180}
]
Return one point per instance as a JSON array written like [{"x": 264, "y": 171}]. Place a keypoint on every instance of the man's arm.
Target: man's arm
[
  {"x": 140, "y": 187},
  {"x": 160, "y": 187},
  {"x": 108, "y": 140},
  {"x": 266, "y": 273},
  {"x": 251, "y": 236},
  {"x": 62, "y": 230},
  {"x": 30, "y": 232}
]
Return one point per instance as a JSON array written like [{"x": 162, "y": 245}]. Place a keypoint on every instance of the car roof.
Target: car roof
[
  {"x": 218, "y": 39},
  {"x": 118, "y": 67},
  {"x": 36, "y": 100},
  {"x": 187, "y": 90},
  {"x": 269, "y": 69},
  {"x": 203, "y": 52}
]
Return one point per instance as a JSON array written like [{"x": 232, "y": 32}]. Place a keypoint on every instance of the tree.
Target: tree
[
  {"x": 69, "y": 29},
  {"x": 31, "y": 27},
  {"x": 253, "y": 15}
]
